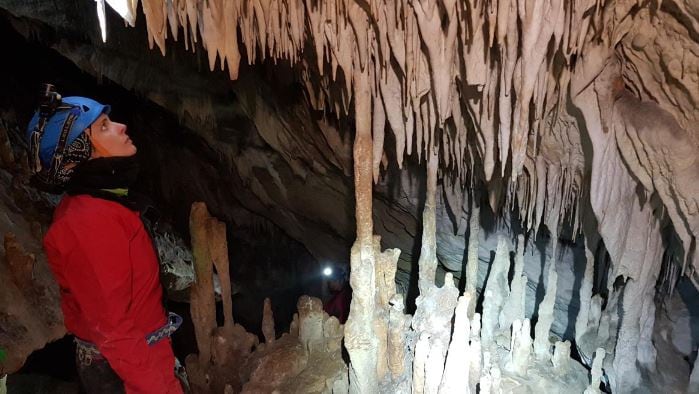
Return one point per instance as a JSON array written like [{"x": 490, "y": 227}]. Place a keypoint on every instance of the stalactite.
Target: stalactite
[{"x": 379, "y": 124}]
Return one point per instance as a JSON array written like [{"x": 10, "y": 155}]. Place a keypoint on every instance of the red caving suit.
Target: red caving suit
[{"x": 108, "y": 273}]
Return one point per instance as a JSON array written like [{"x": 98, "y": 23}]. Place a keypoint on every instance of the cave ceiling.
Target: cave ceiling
[{"x": 555, "y": 107}]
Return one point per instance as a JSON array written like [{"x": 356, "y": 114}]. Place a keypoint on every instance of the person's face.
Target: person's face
[{"x": 109, "y": 139}]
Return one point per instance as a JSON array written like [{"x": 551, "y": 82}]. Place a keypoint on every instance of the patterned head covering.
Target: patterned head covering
[{"x": 58, "y": 142}]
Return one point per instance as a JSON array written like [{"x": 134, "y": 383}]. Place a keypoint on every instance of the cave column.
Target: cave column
[{"x": 360, "y": 340}]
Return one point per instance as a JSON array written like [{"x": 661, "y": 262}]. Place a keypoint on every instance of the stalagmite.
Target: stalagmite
[
  {"x": 311, "y": 323},
  {"x": 496, "y": 292},
  {"x": 456, "y": 371},
  {"x": 421, "y": 355},
  {"x": 582, "y": 320},
  {"x": 268, "y": 322},
  {"x": 561, "y": 357},
  {"x": 218, "y": 247},
  {"x": 427, "y": 264},
  {"x": 434, "y": 368},
  {"x": 202, "y": 304},
  {"x": 514, "y": 305},
  {"x": 521, "y": 347},
  {"x": 542, "y": 344},
  {"x": 475, "y": 357},
  {"x": 596, "y": 372},
  {"x": 474, "y": 226},
  {"x": 398, "y": 325}
]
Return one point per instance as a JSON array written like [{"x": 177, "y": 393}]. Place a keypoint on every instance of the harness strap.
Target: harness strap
[
  {"x": 88, "y": 352},
  {"x": 37, "y": 134}
]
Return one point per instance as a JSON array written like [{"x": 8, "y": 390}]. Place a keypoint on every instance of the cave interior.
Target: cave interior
[{"x": 506, "y": 186}]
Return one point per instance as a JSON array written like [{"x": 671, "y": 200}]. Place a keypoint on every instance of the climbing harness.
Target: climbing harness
[{"x": 87, "y": 352}]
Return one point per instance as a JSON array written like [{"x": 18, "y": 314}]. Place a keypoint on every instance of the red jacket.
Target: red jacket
[
  {"x": 339, "y": 304},
  {"x": 108, "y": 273}
]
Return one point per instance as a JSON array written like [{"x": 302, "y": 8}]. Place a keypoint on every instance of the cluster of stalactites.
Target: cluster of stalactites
[{"x": 458, "y": 76}]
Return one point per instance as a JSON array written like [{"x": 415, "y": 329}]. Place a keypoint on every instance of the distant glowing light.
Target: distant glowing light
[{"x": 327, "y": 271}]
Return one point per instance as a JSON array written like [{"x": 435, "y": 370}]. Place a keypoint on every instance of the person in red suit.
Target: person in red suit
[
  {"x": 100, "y": 253},
  {"x": 338, "y": 304}
]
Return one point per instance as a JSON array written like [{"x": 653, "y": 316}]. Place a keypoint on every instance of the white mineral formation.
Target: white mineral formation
[
  {"x": 496, "y": 292},
  {"x": 596, "y": 372},
  {"x": 474, "y": 227},
  {"x": 475, "y": 353},
  {"x": 514, "y": 305},
  {"x": 521, "y": 347},
  {"x": 542, "y": 344},
  {"x": 561, "y": 357},
  {"x": 584, "y": 313},
  {"x": 456, "y": 371}
]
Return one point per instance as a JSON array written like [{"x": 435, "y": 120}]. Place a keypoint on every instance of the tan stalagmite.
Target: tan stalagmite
[
  {"x": 398, "y": 326},
  {"x": 218, "y": 247},
  {"x": 268, "y": 322},
  {"x": 202, "y": 303}
]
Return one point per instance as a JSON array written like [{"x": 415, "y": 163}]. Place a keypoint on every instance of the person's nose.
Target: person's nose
[{"x": 122, "y": 128}]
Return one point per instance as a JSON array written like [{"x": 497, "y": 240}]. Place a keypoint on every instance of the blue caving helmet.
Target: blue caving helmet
[{"x": 86, "y": 111}]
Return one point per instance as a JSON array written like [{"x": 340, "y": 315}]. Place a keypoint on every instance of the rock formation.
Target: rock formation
[{"x": 307, "y": 359}]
